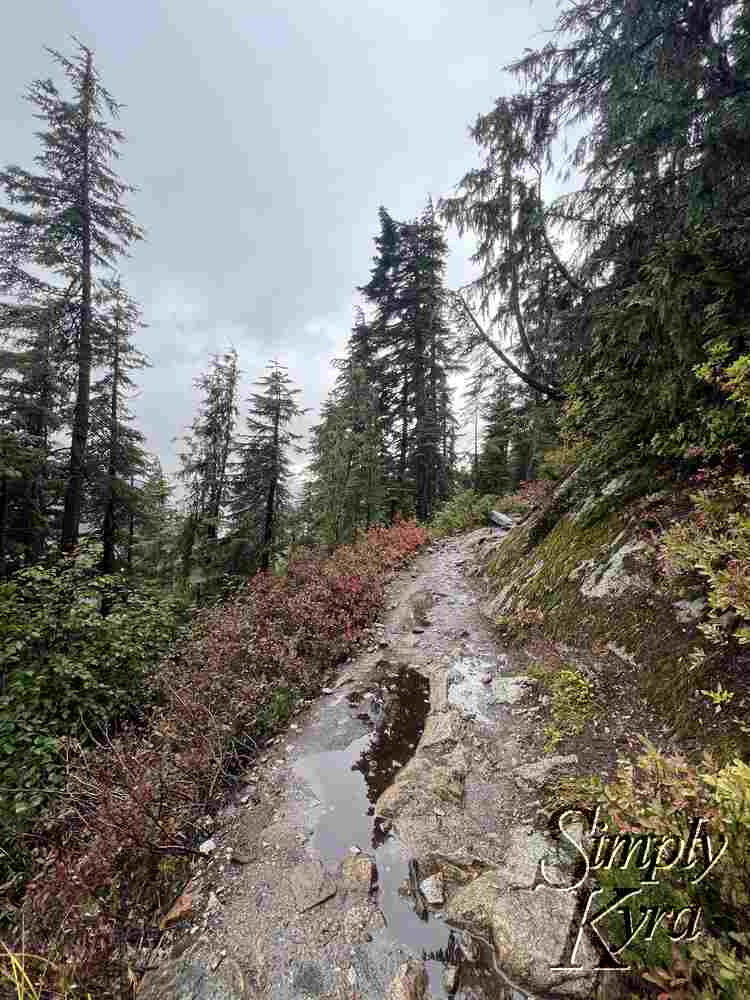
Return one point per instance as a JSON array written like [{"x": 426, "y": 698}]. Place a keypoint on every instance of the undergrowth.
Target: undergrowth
[
  {"x": 663, "y": 796},
  {"x": 131, "y": 805}
]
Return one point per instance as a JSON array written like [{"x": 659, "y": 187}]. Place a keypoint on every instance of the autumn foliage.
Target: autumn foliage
[{"x": 136, "y": 800}]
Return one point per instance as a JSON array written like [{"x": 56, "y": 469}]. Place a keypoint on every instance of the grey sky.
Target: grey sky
[{"x": 263, "y": 138}]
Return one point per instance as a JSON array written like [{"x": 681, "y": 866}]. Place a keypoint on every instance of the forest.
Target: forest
[{"x": 607, "y": 330}]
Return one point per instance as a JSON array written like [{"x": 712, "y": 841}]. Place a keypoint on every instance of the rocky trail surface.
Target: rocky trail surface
[{"x": 388, "y": 845}]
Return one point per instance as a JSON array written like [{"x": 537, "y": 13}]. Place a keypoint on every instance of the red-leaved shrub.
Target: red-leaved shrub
[{"x": 136, "y": 800}]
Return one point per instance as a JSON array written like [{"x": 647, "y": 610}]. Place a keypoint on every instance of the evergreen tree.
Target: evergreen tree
[
  {"x": 345, "y": 491},
  {"x": 71, "y": 219},
  {"x": 205, "y": 463},
  {"x": 35, "y": 387},
  {"x": 260, "y": 488},
  {"x": 115, "y": 456},
  {"x": 494, "y": 471},
  {"x": 414, "y": 349},
  {"x": 154, "y": 530}
]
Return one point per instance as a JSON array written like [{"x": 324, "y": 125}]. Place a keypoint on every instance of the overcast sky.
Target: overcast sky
[{"x": 263, "y": 137}]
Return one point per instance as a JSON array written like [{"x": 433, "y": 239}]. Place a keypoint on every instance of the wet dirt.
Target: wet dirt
[{"x": 430, "y": 681}]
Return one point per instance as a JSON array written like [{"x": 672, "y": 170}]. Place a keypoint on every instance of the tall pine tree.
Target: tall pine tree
[{"x": 68, "y": 219}]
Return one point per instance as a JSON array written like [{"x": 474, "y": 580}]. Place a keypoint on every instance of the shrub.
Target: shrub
[
  {"x": 466, "y": 510},
  {"x": 67, "y": 673},
  {"x": 661, "y": 795},
  {"x": 133, "y": 801}
]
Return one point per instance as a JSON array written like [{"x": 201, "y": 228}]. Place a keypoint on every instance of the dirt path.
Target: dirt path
[{"x": 405, "y": 797}]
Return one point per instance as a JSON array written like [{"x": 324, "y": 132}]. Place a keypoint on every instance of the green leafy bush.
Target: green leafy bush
[
  {"x": 662, "y": 795},
  {"x": 464, "y": 511},
  {"x": 138, "y": 799},
  {"x": 67, "y": 671}
]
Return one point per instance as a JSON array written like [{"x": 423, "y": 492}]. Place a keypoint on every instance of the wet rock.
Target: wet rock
[
  {"x": 537, "y": 772},
  {"x": 311, "y": 884},
  {"x": 360, "y": 922},
  {"x": 409, "y": 983},
  {"x": 358, "y": 873},
  {"x": 501, "y": 520},
  {"x": 311, "y": 979},
  {"x": 441, "y": 728},
  {"x": 450, "y": 978},
  {"x": 418, "y": 783},
  {"x": 433, "y": 889},
  {"x": 530, "y": 929},
  {"x": 191, "y": 977},
  {"x": 509, "y": 690}
]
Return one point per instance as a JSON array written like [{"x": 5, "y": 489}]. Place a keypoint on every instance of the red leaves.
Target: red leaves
[{"x": 129, "y": 801}]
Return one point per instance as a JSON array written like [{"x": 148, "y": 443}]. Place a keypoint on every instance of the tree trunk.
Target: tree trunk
[
  {"x": 268, "y": 530},
  {"x": 108, "y": 528},
  {"x": 74, "y": 491}
]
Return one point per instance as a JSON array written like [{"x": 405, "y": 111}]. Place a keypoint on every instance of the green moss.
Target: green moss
[
  {"x": 641, "y": 624},
  {"x": 572, "y": 702}
]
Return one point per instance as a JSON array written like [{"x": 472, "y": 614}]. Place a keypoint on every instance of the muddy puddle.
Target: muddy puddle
[{"x": 346, "y": 785}]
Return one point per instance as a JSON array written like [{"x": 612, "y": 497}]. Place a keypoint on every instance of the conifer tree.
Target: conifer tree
[
  {"x": 205, "y": 463},
  {"x": 35, "y": 384},
  {"x": 407, "y": 293},
  {"x": 116, "y": 456},
  {"x": 494, "y": 469},
  {"x": 260, "y": 489},
  {"x": 67, "y": 219}
]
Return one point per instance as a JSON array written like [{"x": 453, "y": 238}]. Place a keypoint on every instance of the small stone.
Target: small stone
[
  {"x": 486, "y": 678},
  {"x": 359, "y": 873},
  {"x": 433, "y": 889},
  {"x": 417, "y": 630},
  {"x": 450, "y": 978},
  {"x": 207, "y": 846},
  {"x": 238, "y": 858}
]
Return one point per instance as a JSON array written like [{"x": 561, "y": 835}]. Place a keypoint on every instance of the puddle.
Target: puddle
[{"x": 346, "y": 784}]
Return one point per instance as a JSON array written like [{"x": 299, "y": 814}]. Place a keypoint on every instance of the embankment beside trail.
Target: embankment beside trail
[{"x": 585, "y": 571}]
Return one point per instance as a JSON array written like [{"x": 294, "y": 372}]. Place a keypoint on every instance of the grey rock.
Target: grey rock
[
  {"x": 433, "y": 889},
  {"x": 530, "y": 930},
  {"x": 688, "y": 612},
  {"x": 309, "y": 978},
  {"x": 191, "y": 977},
  {"x": 358, "y": 873},
  {"x": 311, "y": 884},
  {"x": 501, "y": 520},
  {"x": 509, "y": 690},
  {"x": 537, "y": 772}
]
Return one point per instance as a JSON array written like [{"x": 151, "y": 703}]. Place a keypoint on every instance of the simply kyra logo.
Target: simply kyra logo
[{"x": 618, "y": 917}]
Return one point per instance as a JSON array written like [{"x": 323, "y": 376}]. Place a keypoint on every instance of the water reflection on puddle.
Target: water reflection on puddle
[{"x": 347, "y": 784}]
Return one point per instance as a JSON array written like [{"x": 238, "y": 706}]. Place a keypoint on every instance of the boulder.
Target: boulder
[
  {"x": 531, "y": 930},
  {"x": 501, "y": 520}
]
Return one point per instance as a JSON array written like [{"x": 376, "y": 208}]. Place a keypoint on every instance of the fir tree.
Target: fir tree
[
  {"x": 68, "y": 219},
  {"x": 260, "y": 488}
]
